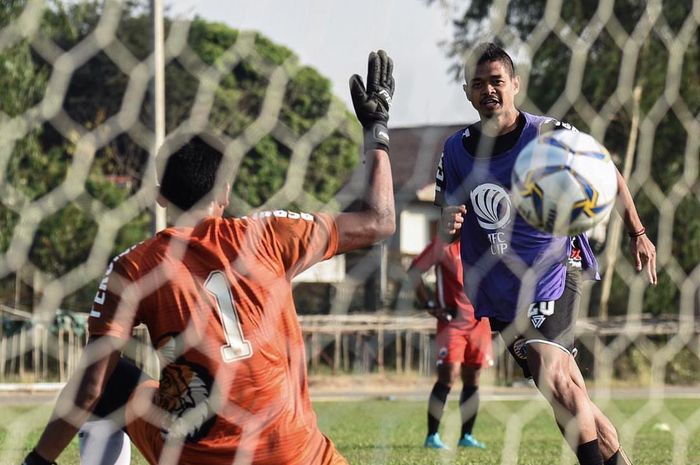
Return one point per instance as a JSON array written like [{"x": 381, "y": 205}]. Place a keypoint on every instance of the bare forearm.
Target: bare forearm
[
  {"x": 72, "y": 409},
  {"x": 380, "y": 196},
  {"x": 79, "y": 397},
  {"x": 626, "y": 208},
  {"x": 57, "y": 435},
  {"x": 377, "y": 220},
  {"x": 643, "y": 250}
]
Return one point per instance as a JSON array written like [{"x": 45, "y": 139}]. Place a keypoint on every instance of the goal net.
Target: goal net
[{"x": 83, "y": 114}]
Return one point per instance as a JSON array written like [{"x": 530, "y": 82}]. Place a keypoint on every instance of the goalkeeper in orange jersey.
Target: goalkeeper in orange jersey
[{"x": 215, "y": 294}]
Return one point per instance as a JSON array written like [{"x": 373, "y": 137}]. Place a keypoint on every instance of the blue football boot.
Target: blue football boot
[
  {"x": 433, "y": 441},
  {"x": 470, "y": 441}
]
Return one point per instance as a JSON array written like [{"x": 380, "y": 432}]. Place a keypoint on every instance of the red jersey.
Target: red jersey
[
  {"x": 448, "y": 274},
  {"x": 217, "y": 302}
]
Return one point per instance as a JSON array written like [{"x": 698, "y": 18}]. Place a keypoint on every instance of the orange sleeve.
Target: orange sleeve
[
  {"x": 304, "y": 239},
  {"x": 114, "y": 309}
]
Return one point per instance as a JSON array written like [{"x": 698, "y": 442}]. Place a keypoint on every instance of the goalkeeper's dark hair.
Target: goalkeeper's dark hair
[
  {"x": 190, "y": 173},
  {"x": 488, "y": 52}
]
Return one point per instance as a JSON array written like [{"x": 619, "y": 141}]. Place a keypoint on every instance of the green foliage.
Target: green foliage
[
  {"x": 8, "y": 221},
  {"x": 330, "y": 164},
  {"x": 267, "y": 163},
  {"x": 211, "y": 40},
  {"x": 34, "y": 171},
  {"x": 683, "y": 368},
  {"x": 17, "y": 69},
  {"x": 9, "y": 11},
  {"x": 54, "y": 249},
  {"x": 686, "y": 232},
  {"x": 633, "y": 366},
  {"x": 39, "y": 162},
  {"x": 308, "y": 95},
  {"x": 548, "y": 74},
  {"x": 18, "y": 73}
]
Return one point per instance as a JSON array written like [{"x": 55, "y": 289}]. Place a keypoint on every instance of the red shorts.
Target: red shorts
[{"x": 464, "y": 343}]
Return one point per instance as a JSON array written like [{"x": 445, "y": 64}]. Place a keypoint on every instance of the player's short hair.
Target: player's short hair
[
  {"x": 190, "y": 173},
  {"x": 487, "y": 52}
]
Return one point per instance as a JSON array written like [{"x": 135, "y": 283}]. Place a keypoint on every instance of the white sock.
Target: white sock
[{"x": 102, "y": 443}]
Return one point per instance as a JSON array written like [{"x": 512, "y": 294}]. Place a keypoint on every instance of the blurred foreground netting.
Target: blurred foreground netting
[{"x": 77, "y": 149}]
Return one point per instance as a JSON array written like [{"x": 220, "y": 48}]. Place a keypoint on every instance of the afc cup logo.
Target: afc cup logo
[{"x": 492, "y": 206}]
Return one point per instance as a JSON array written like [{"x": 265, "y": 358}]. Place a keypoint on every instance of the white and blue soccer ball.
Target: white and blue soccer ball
[{"x": 564, "y": 183}]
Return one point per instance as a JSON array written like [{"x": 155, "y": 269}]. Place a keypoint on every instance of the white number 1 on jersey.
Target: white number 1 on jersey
[{"x": 237, "y": 347}]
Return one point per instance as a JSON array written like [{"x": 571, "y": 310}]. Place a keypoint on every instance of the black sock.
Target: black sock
[
  {"x": 436, "y": 405},
  {"x": 589, "y": 453},
  {"x": 470, "y": 396},
  {"x": 613, "y": 460},
  {"x": 618, "y": 458}
]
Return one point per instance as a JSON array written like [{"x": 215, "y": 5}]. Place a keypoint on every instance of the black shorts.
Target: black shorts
[
  {"x": 120, "y": 385},
  {"x": 550, "y": 323}
]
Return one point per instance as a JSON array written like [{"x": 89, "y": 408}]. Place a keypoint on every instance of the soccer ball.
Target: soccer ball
[{"x": 564, "y": 183}]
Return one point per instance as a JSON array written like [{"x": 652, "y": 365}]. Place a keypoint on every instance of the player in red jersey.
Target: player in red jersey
[
  {"x": 463, "y": 343},
  {"x": 215, "y": 294}
]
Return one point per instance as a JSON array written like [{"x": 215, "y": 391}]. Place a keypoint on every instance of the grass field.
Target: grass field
[{"x": 391, "y": 432}]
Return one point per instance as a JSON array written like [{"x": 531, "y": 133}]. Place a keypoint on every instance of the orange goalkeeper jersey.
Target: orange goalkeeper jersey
[{"x": 217, "y": 302}]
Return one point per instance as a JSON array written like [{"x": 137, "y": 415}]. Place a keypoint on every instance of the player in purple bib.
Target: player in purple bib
[
  {"x": 498, "y": 244},
  {"x": 527, "y": 282}
]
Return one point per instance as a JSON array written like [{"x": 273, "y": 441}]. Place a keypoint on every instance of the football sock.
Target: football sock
[
  {"x": 589, "y": 453},
  {"x": 618, "y": 458},
  {"x": 102, "y": 443},
  {"x": 468, "y": 406},
  {"x": 612, "y": 460},
  {"x": 436, "y": 405}
]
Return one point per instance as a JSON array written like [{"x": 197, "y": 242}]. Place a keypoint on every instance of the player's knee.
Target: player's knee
[
  {"x": 558, "y": 385},
  {"x": 448, "y": 374},
  {"x": 470, "y": 376},
  {"x": 447, "y": 382}
]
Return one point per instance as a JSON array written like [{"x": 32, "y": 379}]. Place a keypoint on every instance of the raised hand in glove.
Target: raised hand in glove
[{"x": 372, "y": 103}]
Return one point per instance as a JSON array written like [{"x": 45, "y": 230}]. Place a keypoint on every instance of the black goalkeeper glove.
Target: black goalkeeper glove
[
  {"x": 35, "y": 459},
  {"x": 372, "y": 104}
]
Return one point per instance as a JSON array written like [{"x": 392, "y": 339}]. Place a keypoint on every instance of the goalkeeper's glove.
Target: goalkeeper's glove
[{"x": 372, "y": 104}]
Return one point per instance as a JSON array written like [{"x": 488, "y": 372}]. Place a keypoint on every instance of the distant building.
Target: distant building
[{"x": 415, "y": 153}]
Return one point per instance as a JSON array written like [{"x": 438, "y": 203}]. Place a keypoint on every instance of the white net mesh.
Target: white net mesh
[{"x": 77, "y": 149}]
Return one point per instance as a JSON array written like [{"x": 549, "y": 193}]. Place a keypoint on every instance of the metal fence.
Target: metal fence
[{"x": 345, "y": 344}]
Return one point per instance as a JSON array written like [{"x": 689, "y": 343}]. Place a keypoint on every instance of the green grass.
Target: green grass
[
  {"x": 382, "y": 432},
  {"x": 392, "y": 432}
]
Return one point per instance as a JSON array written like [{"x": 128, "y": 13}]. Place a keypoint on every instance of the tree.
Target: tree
[
  {"x": 666, "y": 191},
  {"x": 103, "y": 85}
]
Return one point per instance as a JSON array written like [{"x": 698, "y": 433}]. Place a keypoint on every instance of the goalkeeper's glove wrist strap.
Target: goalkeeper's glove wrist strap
[{"x": 376, "y": 137}]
